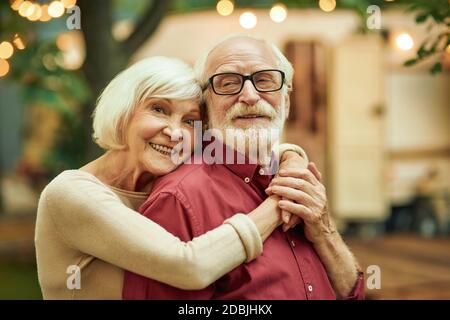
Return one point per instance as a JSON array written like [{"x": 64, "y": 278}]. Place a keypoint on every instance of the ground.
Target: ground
[{"x": 411, "y": 267}]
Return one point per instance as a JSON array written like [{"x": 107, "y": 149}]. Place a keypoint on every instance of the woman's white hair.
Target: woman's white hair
[
  {"x": 156, "y": 77},
  {"x": 283, "y": 62}
]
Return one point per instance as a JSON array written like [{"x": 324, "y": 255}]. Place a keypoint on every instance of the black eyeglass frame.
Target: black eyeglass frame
[{"x": 245, "y": 78}]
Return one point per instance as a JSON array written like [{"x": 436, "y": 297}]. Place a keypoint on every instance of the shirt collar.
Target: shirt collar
[{"x": 250, "y": 173}]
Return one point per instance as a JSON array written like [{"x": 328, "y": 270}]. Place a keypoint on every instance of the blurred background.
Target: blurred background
[{"x": 371, "y": 106}]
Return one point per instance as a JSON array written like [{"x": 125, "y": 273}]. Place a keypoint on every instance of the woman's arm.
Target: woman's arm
[{"x": 92, "y": 219}]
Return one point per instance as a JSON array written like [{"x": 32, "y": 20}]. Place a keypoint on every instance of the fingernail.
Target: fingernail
[
  {"x": 286, "y": 218},
  {"x": 283, "y": 203}
]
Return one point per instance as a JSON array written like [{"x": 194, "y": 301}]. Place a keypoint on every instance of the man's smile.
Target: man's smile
[{"x": 250, "y": 116}]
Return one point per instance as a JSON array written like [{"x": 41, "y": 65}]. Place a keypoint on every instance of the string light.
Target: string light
[
  {"x": 26, "y": 9},
  {"x": 248, "y": 20},
  {"x": 45, "y": 16},
  {"x": 225, "y": 7},
  {"x": 37, "y": 13},
  {"x": 33, "y": 11},
  {"x": 6, "y": 50},
  {"x": 15, "y": 4},
  {"x": 4, "y": 67},
  {"x": 278, "y": 13},
  {"x": 56, "y": 9},
  {"x": 68, "y": 3},
  {"x": 18, "y": 42},
  {"x": 327, "y": 5},
  {"x": 404, "y": 41}
]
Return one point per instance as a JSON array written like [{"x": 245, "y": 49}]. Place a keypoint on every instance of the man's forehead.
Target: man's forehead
[{"x": 240, "y": 53}]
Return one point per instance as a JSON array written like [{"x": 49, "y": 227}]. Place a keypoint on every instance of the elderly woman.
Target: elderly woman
[{"x": 88, "y": 229}]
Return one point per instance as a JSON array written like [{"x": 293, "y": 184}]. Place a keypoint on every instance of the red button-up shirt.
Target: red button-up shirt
[{"x": 199, "y": 197}]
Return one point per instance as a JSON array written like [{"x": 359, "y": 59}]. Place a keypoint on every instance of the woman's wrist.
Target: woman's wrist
[
  {"x": 287, "y": 150},
  {"x": 266, "y": 216},
  {"x": 248, "y": 233}
]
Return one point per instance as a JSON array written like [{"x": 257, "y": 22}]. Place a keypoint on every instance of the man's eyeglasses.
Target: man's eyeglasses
[{"x": 230, "y": 83}]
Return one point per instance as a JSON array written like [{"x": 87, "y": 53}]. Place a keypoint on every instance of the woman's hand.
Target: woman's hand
[{"x": 290, "y": 160}]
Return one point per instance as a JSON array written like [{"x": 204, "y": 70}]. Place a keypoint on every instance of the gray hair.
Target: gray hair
[
  {"x": 157, "y": 77},
  {"x": 283, "y": 62}
]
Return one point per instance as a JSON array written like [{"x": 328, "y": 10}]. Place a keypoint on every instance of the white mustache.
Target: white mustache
[{"x": 240, "y": 109}]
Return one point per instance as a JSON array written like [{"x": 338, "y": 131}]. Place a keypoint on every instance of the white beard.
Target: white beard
[{"x": 256, "y": 141}]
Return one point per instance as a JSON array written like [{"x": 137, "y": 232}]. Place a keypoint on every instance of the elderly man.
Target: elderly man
[{"x": 247, "y": 91}]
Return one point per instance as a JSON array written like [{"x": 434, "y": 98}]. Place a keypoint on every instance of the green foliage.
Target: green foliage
[
  {"x": 437, "y": 14},
  {"x": 19, "y": 281},
  {"x": 434, "y": 12},
  {"x": 46, "y": 83}
]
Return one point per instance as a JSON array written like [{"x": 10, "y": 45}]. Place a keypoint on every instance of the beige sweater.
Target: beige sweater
[{"x": 83, "y": 224}]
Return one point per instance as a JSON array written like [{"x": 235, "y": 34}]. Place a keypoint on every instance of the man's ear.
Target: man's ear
[{"x": 287, "y": 103}]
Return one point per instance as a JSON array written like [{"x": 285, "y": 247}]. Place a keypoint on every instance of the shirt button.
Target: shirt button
[
  {"x": 293, "y": 243},
  {"x": 261, "y": 171},
  {"x": 247, "y": 179},
  {"x": 310, "y": 288}
]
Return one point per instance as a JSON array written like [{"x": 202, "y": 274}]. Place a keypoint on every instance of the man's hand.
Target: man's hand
[{"x": 309, "y": 201}]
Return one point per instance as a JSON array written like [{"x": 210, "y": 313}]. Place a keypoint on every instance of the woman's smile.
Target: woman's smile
[{"x": 162, "y": 149}]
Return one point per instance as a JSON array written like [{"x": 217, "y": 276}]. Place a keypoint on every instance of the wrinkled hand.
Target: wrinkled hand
[
  {"x": 290, "y": 160},
  {"x": 308, "y": 203}
]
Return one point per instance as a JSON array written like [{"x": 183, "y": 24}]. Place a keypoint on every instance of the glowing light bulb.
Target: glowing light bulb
[
  {"x": 278, "y": 13},
  {"x": 56, "y": 9},
  {"x": 15, "y": 5},
  {"x": 45, "y": 15},
  {"x": 26, "y": 9},
  {"x": 404, "y": 41},
  {"x": 327, "y": 5},
  {"x": 68, "y": 3},
  {"x": 18, "y": 42},
  {"x": 248, "y": 20},
  {"x": 37, "y": 13},
  {"x": 6, "y": 50},
  {"x": 225, "y": 7},
  {"x": 4, "y": 67}
]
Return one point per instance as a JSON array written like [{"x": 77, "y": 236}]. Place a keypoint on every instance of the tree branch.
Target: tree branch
[
  {"x": 103, "y": 56},
  {"x": 146, "y": 26}
]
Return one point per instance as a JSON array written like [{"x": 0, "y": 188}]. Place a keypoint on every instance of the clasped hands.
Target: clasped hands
[{"x": 303, "y": 197}]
